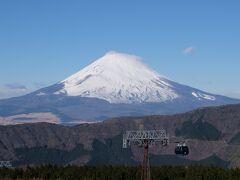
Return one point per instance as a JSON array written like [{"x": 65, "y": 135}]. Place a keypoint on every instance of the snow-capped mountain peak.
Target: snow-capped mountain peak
[
  {"x": 115, "y": 85},
  {"x": 119, "y": 78}
]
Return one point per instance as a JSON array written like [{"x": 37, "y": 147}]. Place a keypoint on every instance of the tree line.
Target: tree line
[{"x": 119, "y": 173}]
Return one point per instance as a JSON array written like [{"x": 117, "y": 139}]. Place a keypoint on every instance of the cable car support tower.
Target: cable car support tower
[{"x": 145, "y": 139}]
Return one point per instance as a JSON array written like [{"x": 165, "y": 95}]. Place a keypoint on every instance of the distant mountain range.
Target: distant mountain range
[
  {"x": 212, "y": 134},
  {"x": 115, "y": 85}
]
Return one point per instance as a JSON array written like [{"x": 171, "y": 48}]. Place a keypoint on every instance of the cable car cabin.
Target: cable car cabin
[{"x": 182, "y": 149}]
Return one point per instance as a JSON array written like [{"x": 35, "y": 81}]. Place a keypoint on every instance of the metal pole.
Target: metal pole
[{"x": 145, "y": 174}]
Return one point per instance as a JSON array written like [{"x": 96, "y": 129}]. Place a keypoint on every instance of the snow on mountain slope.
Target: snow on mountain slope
[
  {"x": 123, "y": 78},
  {"x": 115, "y": 85},
  {"x": 119, "y": 78}
]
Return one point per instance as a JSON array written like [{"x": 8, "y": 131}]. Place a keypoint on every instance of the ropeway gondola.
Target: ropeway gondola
[{"x": 181, "y": 149}]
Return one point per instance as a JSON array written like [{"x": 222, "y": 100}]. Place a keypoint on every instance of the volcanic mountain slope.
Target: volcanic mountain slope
[
  {"x": 115, "y": 85},
  {"x": 212, "y": 135},
  {"x": 119, "y": 78}
]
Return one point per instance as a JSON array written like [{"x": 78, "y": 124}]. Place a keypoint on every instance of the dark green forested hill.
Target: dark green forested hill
[
  {"x": 212, "y": 135},
  {"x": 119, "y": 173}
]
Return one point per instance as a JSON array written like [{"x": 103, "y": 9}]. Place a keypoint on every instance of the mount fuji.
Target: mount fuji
[{"x": 117, "y": 84}]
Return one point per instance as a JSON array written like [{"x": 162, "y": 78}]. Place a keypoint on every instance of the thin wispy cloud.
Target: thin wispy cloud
[
  {"x": 13, "y": 90},
  {"x": 188, "y": 50},
  {"x": 16, "y": 89},
  {"x": 16, "y": 86}
]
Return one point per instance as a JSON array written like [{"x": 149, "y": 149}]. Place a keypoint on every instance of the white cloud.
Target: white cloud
[
  {"x": 188, "y": 50},
  {"x": 13, "y": 90},
  {"x": 16, "y": 86}
]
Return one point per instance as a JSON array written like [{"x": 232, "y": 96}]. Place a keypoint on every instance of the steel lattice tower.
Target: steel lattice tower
[
  {"x": 6, "y": 164},
  {"x": 145, "y": 139}
]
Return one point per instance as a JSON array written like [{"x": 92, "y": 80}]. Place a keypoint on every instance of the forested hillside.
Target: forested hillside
[
  {"x": 212, "y": 135},
  {"x": 119, "y": 173}
]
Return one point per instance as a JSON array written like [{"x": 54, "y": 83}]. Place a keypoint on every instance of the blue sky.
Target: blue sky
[{"x": 43, "y": 42}]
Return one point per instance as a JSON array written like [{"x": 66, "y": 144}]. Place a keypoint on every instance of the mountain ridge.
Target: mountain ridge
[{"x": 209, "y": 132}]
